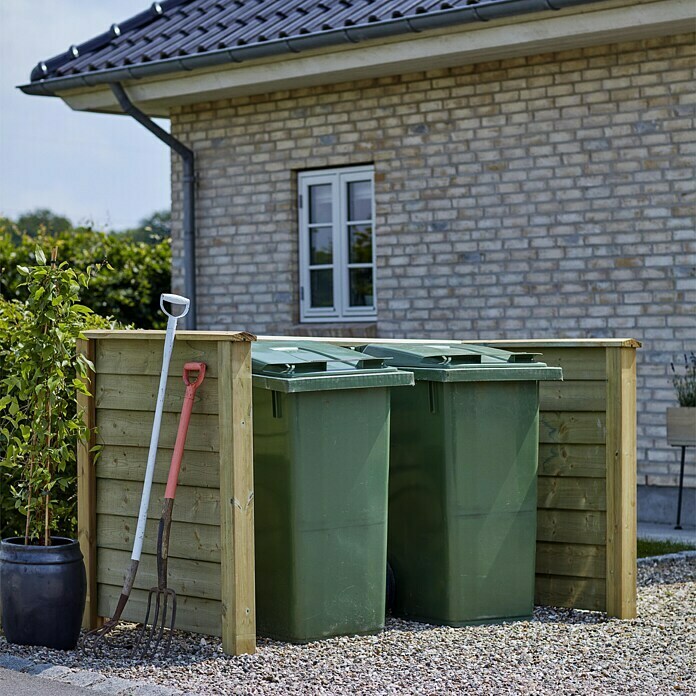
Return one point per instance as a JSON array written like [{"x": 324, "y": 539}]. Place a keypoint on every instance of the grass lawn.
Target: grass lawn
[{"x": 650, "y": 547}]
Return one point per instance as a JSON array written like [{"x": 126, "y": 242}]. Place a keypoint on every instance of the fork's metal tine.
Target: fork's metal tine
[
  {"x": 163, "y": 621},
  {"x": 147, "y": 616},
  {"x": 155, "y": 619},
  {"x": 171, "y": 626}
]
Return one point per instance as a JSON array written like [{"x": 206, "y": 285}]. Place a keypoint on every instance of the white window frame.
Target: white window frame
[{"x": 341, "y": 310}]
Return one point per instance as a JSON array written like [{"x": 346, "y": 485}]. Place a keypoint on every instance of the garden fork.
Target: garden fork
[
  {"x": 179, "y": 309},
  {"x": 161, "y": 595}
]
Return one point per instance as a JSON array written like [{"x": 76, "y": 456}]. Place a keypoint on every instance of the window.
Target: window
[{"x": 337, "y": 250}]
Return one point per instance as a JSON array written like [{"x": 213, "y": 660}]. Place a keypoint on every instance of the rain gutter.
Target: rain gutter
[
  {"x": 189, "y": 194},
  {"x": 476, "y": 12}
]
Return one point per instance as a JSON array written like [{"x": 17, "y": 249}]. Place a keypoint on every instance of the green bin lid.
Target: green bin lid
[
  {"x": 453, "y": 362},
  {"x": 293, "y": 366}
]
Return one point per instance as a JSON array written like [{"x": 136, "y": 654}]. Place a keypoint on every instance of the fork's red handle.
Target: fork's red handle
[{"x": 186, "y": 409}]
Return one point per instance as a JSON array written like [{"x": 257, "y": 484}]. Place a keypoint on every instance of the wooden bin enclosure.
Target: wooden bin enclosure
[
  {"x": 211, "y": 564},
  {"x": 586, "y": 536}
]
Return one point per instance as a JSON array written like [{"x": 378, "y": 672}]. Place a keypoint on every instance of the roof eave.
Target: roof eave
[{"x": 297, "y": 44}]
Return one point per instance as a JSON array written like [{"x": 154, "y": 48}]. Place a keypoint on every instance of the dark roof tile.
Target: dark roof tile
[{"x": 181, "y": 28}]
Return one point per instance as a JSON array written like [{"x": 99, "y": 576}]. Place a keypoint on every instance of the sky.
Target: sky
[{"x": 97, "y": 169}]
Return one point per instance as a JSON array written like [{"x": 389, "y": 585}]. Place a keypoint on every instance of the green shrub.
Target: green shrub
[
  {"x": 128, "y": 289},
  {"x": 39, "y": 422}
]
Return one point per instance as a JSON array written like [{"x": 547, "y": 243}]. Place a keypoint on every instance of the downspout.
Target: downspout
[{"x": 189, "y": 194}]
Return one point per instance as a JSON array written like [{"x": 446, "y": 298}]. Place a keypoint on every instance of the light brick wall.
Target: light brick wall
[{"x": 535, "y": 197}]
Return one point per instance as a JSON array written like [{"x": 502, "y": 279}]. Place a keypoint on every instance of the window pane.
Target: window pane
[
  {"x": 361, "y": 294},
  {"x": 320, "y": 203},
  {"x": 360, "y": 244},
  {"x": 360, "y": 200},
  {"x": 321, "y": 288},
  {"x": 320, "y": 245}
]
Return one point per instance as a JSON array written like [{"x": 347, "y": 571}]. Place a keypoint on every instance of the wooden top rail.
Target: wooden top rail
[
  {"x": 522, "y": 343},
  {"x": 97, "y": 334}
]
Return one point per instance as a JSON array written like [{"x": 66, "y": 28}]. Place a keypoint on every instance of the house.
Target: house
[{"x": 471, "y": 168}]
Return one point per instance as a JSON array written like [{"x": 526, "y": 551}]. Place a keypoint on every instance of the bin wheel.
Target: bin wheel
[{"x": 391, "y": 588}]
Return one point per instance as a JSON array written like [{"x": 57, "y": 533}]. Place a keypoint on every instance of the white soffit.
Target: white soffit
[{"x": 585, "y": 25}]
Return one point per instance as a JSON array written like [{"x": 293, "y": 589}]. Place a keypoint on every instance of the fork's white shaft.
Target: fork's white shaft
[{"x": 154, "y": 439}]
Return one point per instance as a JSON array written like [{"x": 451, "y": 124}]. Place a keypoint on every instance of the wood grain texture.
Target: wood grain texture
[
  {"x": 197, "y": 542},
  {"x": 139, "y": 393},
  {"x": 192, "y": 613},
  {"x": 188, "y": 578},
  {"x": 572, "y": 526},
  {"x": 120, "y": 356},
  {"x": 561, "y": 591},
  {"x": 194, "y": 505},
  {"x": 198, "y": 469},
  {"x": 86, "y": 490},
  {"x": 570, "y": 493},
  {"x": 621, "y": 483},
  {"x": 575, "y": 560},
  {"x": 133, "y": 428},
  {"x": 572, "y": 460},
  {"x": 237, "y": 495},
  {"x": 568, "y": 427},
  {"x": 573, "y": 395}
]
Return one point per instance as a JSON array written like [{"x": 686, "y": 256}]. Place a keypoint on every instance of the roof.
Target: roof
[{"x": 178, "y": 35}]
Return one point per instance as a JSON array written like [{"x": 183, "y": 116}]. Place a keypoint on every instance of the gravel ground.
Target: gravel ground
[{"x": 560, "y": 651}]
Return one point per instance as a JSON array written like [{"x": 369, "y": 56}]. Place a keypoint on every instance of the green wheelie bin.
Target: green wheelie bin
[
  {"x": 321, "y": 458},
  {"x": 462, "y": 487}
]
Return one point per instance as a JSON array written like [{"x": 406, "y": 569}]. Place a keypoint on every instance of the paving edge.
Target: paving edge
[
  {"x": 678, "y": 556},
  {"x": 87, "y": 679}
]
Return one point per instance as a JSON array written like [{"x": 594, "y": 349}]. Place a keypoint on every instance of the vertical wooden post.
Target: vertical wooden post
[
  {"x": 87, "y": 490},
  {"x": 621, "y": 482},
  {"x": 236, "y": 498}
]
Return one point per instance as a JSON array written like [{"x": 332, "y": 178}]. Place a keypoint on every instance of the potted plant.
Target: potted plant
[
  {"x": 42, "y": 574},
  {"x": 681, "y": 420}
]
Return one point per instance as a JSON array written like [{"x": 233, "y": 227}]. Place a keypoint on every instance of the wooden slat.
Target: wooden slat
[
  {"x": 198, "y": 542},
  {"x": 192, "y": 613},
  {"x": 579, "y": 364},
  {"x": 128, "y": 464},
  {"x": 86, "y": 498},
  {"x": 580, "y": 560},
  {"x": 572, "y": 526},
  {"x": 139, "y": 393},
  {"x": 572, "y": 460},
  {"x": 570, "y": 493},
  {"x": 563, "y": 427},
  {"x": 159, "y": 334},
  {"x": 188, "y": 578},
  {"x": 197, "y": 505},
  {"x": 237, "y": 494},
  {"x": 573, "y": 396},
  {"x": 519, "y": 344},
  {"x": 621, "y": 483},
  {"x": 133, "y": 428},
  {"x": 121, "y": 356},
  {"x": 560, "y": 591}
]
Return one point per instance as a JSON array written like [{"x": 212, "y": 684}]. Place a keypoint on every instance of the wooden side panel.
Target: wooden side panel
[
  {"x": 572, "y": 502},
  {"x": 621, "y": 483},
  {"x": 125, "y": 395},
  {"x": 86, "y": 491},
  {"x": 237, "y": 496}
]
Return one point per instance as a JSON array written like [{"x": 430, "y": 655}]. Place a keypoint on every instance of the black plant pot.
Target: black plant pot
[{"x": 42, "y": 591}]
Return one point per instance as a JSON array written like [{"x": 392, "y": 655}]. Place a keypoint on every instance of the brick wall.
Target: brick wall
[{"x": 534, "y": 197}]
